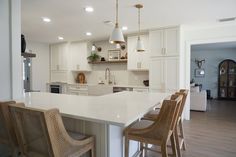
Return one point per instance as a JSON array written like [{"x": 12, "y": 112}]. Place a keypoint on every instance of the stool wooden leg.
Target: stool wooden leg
[
  {"x": 182, "y": 145},
  {"x": 178, "y": 149},
  {"x": 126, "y": 147},
  {"x": 164, "y": 152},
  {"x": 93, "y": 152},
  {"x": 173, "y": 144}
]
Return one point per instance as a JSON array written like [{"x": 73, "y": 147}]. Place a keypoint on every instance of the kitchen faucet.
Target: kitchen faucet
[{"x": 108, "y": 78}]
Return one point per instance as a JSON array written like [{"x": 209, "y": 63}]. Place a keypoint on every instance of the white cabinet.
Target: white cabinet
[
  {"x": 59, "y": 56},
  {"x": 77, "y": 89},
  {"x": 164, "y": 42},
  {"x": 141, "y": 90},
  {"x": 164, "y": 73},
  {"x": 137, "y": 60},
  {"x": 79, "y": 51}
]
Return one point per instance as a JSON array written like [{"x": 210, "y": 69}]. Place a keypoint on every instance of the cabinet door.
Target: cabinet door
[
  {"x": 137, "y": 60},
  {"x": 59, "y": 56},
  {"x": 74, "y": 56},
  {"x": 171, "y": 73},
  {"x": 54, "y": 57},
  {"x": 78, "y": 57},
  {"x": 156, "y": 44},
  {"x": 84, "y": 50},
  {"x": 63, "y": 56},
  {"x": 171, "y": 42},
  {"x": 156, "y": 77}
]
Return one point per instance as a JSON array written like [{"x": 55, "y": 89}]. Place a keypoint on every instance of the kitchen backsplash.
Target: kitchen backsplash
[{"x": 119, "y": 75}]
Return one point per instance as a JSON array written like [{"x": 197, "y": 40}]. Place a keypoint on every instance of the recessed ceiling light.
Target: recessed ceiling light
[
  {"x": 88, "y": 33},
  {"x": 46, "y": 19},
  {"x": 60, "y": 38},
  {"x": 89, "y": 9},
  {"x": 124, "y": 28}
]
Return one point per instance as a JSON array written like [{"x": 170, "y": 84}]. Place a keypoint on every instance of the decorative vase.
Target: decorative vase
[{"x": 23, "y": 43}]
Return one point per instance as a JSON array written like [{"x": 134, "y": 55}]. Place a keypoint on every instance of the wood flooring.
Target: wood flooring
[{"x": 211, "y": 133}]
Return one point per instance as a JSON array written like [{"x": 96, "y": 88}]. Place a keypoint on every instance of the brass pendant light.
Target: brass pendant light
[
  {"x": 117, "y": 35},
  {"x": 139, "y": 46}
]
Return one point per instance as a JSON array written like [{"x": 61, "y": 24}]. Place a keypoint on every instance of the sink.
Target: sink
[{"x": 101, "y": 89}]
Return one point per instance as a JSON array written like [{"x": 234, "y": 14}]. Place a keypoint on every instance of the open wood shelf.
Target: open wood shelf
[
  {"x": 108, "y": 62},
  {"x": 28, "y": 55}
]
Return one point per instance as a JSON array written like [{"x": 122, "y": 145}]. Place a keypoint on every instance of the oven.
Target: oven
[{"x": 55, "y": 88}]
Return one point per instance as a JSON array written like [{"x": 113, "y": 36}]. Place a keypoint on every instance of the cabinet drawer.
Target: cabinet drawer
[{"x": 144, "y": 90}]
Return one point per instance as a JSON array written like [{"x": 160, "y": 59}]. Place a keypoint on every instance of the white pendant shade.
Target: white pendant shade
[
  {"x": 140, "y": 46},
  {"x": 117, "y": 36},
  {"x": 93, "y": 48}
]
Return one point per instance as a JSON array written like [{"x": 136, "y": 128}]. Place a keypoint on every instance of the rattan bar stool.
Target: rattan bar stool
[
  {"x": 179, "y": 131},
  {"x": 157, "y": 132},
  {"x": 42, "y": 134},
  {"x": 7, "y": 132}
]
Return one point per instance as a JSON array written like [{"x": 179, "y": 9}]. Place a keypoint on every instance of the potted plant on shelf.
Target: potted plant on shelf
[{"x": 93, "y": 57}]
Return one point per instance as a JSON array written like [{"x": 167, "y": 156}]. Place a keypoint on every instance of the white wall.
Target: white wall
[
  {"x": 191, "y": 35},
  {"x": 10, "y": 61},
  {"x": 119, "y": 72},
  {"x": 40, "y": 65},
  {"x": 212, "y": 57},
  {"x": 5, "y": 66}
]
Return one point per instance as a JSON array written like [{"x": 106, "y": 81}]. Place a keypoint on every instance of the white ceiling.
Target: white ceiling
[
  {"x": 214, "y": 46},
  {"x": 71, "y": 21}
]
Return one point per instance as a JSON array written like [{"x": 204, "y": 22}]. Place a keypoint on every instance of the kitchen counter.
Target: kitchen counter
[
  {"x": 105, "y": 116},
  {"x": 120, "y": 109}
]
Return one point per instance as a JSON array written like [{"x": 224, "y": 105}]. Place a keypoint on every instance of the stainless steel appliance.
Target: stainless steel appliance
[
  {"x": 55, "y": 89},
  {"x": 121, "y": 89}
]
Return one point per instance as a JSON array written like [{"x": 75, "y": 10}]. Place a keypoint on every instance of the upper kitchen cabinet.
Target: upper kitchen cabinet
[
  {"x": 79, "y": 51},
  {"x": 164, "y": 74},
  {"x": 164, "y": 42},
  {"x": 138, "y": 61},
  {"x": 59, "y": 56}
]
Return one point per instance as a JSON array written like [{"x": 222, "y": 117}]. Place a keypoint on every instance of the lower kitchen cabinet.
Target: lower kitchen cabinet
[
  {"x": 74, "y": 89},
  {"x": 164, "y": 74}
]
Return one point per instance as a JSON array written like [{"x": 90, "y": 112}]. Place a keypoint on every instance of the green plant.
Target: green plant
[{"x": 93, "y": 57}]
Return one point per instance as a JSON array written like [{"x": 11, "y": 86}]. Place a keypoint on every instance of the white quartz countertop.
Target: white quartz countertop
[{"x": 119, "y": 109}]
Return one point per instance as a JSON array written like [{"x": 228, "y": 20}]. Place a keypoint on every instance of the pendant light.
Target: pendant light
[
  {"x": 117, "y": 35},
  {"x": 139, "y": 46}
]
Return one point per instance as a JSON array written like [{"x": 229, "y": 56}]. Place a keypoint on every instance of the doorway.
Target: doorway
[{"x": 204, "y": 71}]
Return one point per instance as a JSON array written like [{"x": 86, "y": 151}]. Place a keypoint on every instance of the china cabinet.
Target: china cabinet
[{"x": 227, "y": 80}]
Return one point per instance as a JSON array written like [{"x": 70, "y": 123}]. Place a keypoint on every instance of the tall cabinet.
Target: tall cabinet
[
  {"x": 227, "y": 80},
  {"x": 137, "y": 61},
  {"x": 164, "y": 63}
]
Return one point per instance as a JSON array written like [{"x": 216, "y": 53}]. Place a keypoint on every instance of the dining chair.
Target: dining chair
[
  {"x": 179, "y": 131},
  {"x": 42, "y": 134},
  {"x": 7, "y": 132},
  {"x": 157, "y": 132}
]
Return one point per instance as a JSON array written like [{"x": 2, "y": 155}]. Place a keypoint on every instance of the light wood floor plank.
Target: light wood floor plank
[{"x": 211, "y": 133}]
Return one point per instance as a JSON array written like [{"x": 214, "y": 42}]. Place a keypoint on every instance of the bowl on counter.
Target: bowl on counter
[{"x": 146, "y": 82}]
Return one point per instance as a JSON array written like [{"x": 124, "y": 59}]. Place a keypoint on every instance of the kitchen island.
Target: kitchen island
[{"x": 103, "y": 116}]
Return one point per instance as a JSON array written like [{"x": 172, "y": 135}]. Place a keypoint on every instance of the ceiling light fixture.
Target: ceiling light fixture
[
  {"x": 140, "y": 46},
  {"x": 89, "y": 9},
  {"x": 88, "y": 33},
  {"x": 124, "y": 28},
  {"x": 60, "y": 38},
  {"x": 117, "y": 35},
  {"x": 46, "y": 19}
]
